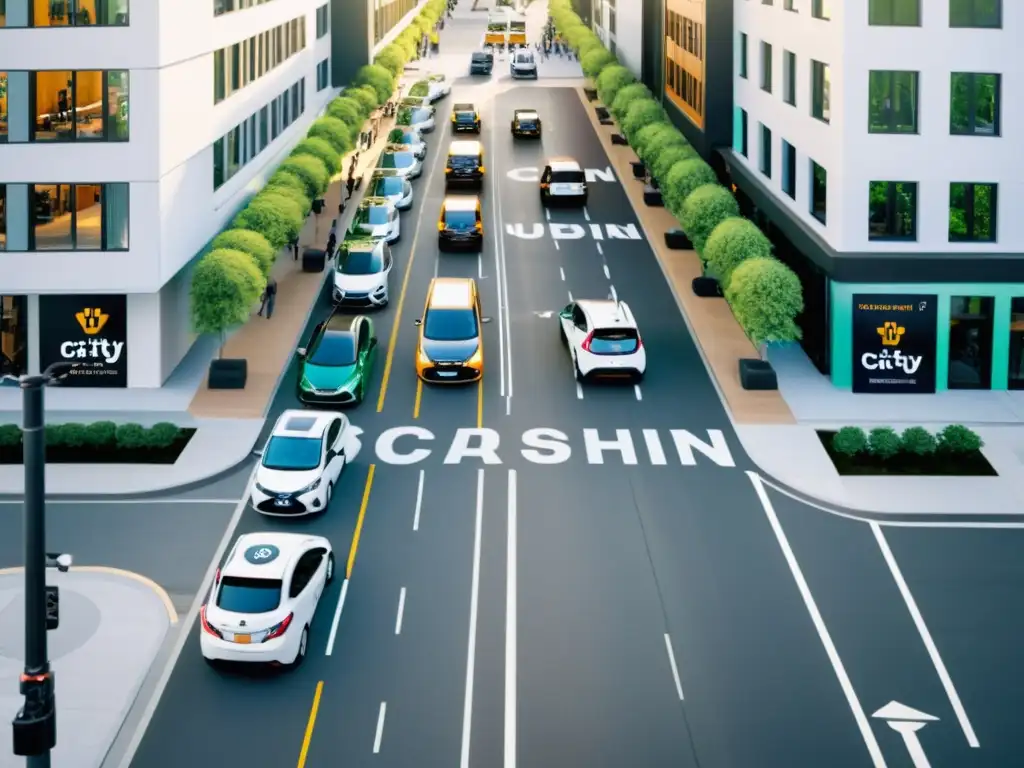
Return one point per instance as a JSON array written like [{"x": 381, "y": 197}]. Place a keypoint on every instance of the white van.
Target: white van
[{"x": 523, "y": 64}]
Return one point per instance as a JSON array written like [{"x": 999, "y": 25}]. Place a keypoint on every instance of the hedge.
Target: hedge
[
  {"x": 294, "y": 199},
  {"x": 336, "y": 133},
  {"x": 666, "y": 157},
  {"x": 731, "y": 243},
  {"x": 392, "y": 58},
  {"x": 420, "y": 89},
  {"x": 225, "y": 286},
  {"x": 378, "y": 78},
  {"x": 765, "y": 298},
  {"x": 884, "y": 443},
  {"x": 682, "y": 179},
  {"x": 287, "y": 184},
  {"x": 99, "y": 434},
  {"x": 311, "y": 171},
  {"x": 348, "y": 110},
  {"x": 365, "y": 96},
  {"x": 253, "y": 243},
  {"x": 640, "y": 114},
  {"x": 611, "y": 80},
  {"x": 321, "y": 150},
  {"x": 626, "y": 96},
  {"x": 654, "y": 138},
  {"x": 706, "y": 208},
  {"x": 273, "y": 216},
  {"x": 596, "y": 60}
]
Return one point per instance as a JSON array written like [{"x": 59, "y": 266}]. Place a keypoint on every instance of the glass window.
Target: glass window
[
  {"x": 242, "y": 595},
  {"x": 450, "y": 325},
  {"x": 976, "y": 13},
  {"x": 377, "y": 215},
  {"x": 789, "y": 169},
  {"x": 971, "y": 322},
  {"x": 3, "y": 217},
  {"x": 13, "y": 335},
  {"x": 117, "y": 105},
  {"x": 743, "y": 132},
  {"x": 819, "y": 192},
  {"x": 460, "y": 219},
  {"x": 3, "y": 103},
  {"x": 892, "y": 210},
  {"x": 275, "y": 122},
  {"x": 236, "y": 68},
  {"x": 972, "y": 212},
  {"x": 51, "y": 13},
  {"x": 335, "y": 349},
  {"x": 88, "y": 106},
  {"x": 766, "y": 151},
  {"x": 219, "y": 76},
  {"x": 1017, "y": 343},
  {"x": 614, "y": 341},
  {"x": 766, "y": 67},
  {"x": 362, "y": 262},
  {"x": 52, "y": 226},
  {"x": 389, "y": 186},
  {"x": 88, "y": 217},
  {"x": 286, "y": 112},
  {"x": 789, "y": 77},
  {"x": 894, "y": 13},
  {"x": 892, "y": 102},
  {"x": 568, "y": 177},
  {"x": 221, "y": 7},
  {"x": 53, "y": 106},
  {"x": 234, "y": 151},
  {"x": 788, "y": 5},
  {"x": 115, "y": 216},
  {"x": 264, "y": 128},
  {"x": 218, "y": 163},
  {"x": 821, "y": 92},
  {"x": 974, "y": 104},
  {"x": 299, "y": 454},
  {"x": 821, "y": 9},
  {"x": 743, "y": 54}
]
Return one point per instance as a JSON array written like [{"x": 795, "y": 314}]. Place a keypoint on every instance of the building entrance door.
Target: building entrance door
[
  {"x": 971, "y": 323},
  {"x": 13, "y": 335}
]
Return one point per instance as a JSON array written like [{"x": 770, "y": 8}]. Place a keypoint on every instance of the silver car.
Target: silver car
[
  {"x": 391, "y": 187},
  {"x": 401, "y": 160},
  {"x": 419, "y": 118},
  {"x": 412, "y": 140}
]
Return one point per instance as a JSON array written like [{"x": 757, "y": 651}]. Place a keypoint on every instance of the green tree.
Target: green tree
[
  {"x": 682, "y": 179},
  {"x": 225, "y": 286},
  {"x": 653, "y": 139},
  {"x": 252, "y": 243},
  {"x": 611, "y": 80},
  {"x": 348, "y": 110},
  {"x": 294, "y": 200},
  {"x": 625, "y": 98},
  {"x": 311, "y": 171},
  {"x": 665, "y": 158},
  {"x": 765, "y": 297},
  {"x": 286, "y": 183},
  {"x": 365, "y": 96},
  {"x": 731, "y": 243},
  {"x": 378, "y": 78},
  {"x": 392, "y": 58},
  {"x": 335, "y": 132},
  {"x": 642, "y": 113},
  {"x": 321, "y": 150},
  {"x": 274, "y": 217},
  {"x": 706, "y": 208},
  {"x": 596, "y": 60}
]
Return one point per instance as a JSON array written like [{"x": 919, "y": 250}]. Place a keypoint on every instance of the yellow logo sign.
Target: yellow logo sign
[
  {"x": 891, "y": 333},
  {"x": 92, "y": 320}
]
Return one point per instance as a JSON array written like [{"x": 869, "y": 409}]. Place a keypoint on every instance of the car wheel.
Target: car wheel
[
  {"x": 300, "y": 654},
  {"x": 330, "y": 492},
  {"x": 330, "y": 567}
]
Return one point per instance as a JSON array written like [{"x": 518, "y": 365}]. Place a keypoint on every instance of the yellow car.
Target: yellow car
[
  {"x": 450, "y": 349},
  {"x": 460, "y": 224}
]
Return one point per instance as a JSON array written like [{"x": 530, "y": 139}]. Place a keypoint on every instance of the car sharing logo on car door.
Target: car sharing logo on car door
[
  {"x": 89, "y": 330},
  {"x": 894, "y": 339}
]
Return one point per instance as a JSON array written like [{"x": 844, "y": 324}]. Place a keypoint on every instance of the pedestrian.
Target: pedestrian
[
  {"x": 332, "y": 242},
  {"x": 295, "y": 248},
  {"x": 352, "y": 165},
  {"x": 333, "y": 234},
  {"x": 350, "y": 185},
  {"x": 269, "y": 295}
]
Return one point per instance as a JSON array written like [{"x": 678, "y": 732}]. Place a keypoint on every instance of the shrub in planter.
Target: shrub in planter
[
  {"x": 162, "y": 435},
  {"x": 588, "y": 45},
  {"x": 348, "y": 110},
  {"x": 596, "y": 60},
  {"x": 404, "y": 117},
  {"x": 681, "y": 181},
  {"x": 379, "y": 79},
  {"x": 101, "y": 434},
  {"x": 918, "y": 441},
  {"x": 279, "y": 226},
  {"x": 335, "y": 132},
  {"x": 849, "y": 441},
  {"x": 310, "y": 171},
  {"x": 647, "y": 141},
  {"x": 321, "y": 150},
  {"x": 293, "y": 200},
  {"x": 225, "y": 286},
  {"x": 883, "y": 443},
  {"x": 641, "y": 113},
  {"x": 130, "y": 437},
  {"x": 287, "y": 184},
  {"x": 626, "y": 96},
  {"x": 366, "y": 96},
  {"x": 611, "y": 80},
  {"x": 956, "y": 438},
  {"x": 54, "y": 435},
  {"x": 706, "y": 208},
  {"x": 665, "y": 157},
  {"x": 420, "y": 89},
  {"x": 247, "y": 241},
  {"x": 731, "y": 243},
  {"x": 392, "y": 58},
  {"x": 765, "y": 297},
  {"x": 10, "y": 436}
]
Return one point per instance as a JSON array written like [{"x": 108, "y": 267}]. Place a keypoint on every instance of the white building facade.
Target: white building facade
[
  {"x": 619, "y": 24},
  {"x": 129, "y": 137}
]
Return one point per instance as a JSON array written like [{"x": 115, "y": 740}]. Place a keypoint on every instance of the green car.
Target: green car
[{"x": 336, "y": 366}]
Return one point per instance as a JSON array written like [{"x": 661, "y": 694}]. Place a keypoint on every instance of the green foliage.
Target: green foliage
[
  {"x": 626, "y": 96},
  {"x": 278, "y": 226},
  {"x": 612, "y": 79},
  {"x": 765, "y": 298},
  {"x": 100, "y": 434},
  {"x": 225, "y": 286},
  {"x": 664, "y": 158},
  {"x": 10, "y": 435},
  {"x": 731, "y": 243},
  {"x": 706, "y": 208},
  {"x": 681, "y": 181},
  {"x": 640, "y": 114},
  {"x": 392, "y": 58},
  {"x": 335, "y": 132},
  {"x": 253, "y": 243},
  {"x": 53, "y": 435},
  {"x": 322, "y": 151},
  {"x": 73, "y": 435},
  {"x": 130, "y": 437},
  {"x": 365, "y": 96},
  {"x": 849, "y": 441},
  {"x": 163, "y": 434},
  {"x": 404, "y": 117},
  {"x": 349, "y": 111},
  {"x": 286, "y": 183},
  {"x": 652, "y": 139},
  {"x": 311, "y": 171},
  {"x": 420, "y": 89},
  {"x": 956, "y": 438},
  {"x": 395, "y": 136},
  {"x": 918, "y": 441},
  {"x": 378, "y": 78},
  {"x": 293, "y": 201},
  {"x": 883, "y": 443},
  {"x": 596, "y": 60},
  {"x": 588, "y": 44}
]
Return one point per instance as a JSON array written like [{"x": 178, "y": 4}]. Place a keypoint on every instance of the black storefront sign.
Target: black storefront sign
[
  {"x": 92, "y": 330},
  {"x": 894, "y": 340}
]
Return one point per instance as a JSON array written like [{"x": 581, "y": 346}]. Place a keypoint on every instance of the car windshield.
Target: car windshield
[
  {"x": 335, "y": 349},
  {"x": 396, "y": 160},
  {"x": 460, "y": 219},
  {"x": 465, "y": 117},
  {"x": 567, "y": 177},
  {"x": 524, "y": 58},
  {"x": 463, "y": 161},
  {"x": 376, "y": 214},
  {"x": 388, "y": 186},
  {"x": 292, "y": 454},
  {"x": 420, "y": 116},
  {"x": 450, "y": 325},
  {"x": 362, "y": 263},
  {"x": 238, "y": 595},
  {"x": 482, "y": 58},
  {"x": 614, "y": 341},
  {"x": 528, "y": 121},
  {"x": 517, "y": 26}
]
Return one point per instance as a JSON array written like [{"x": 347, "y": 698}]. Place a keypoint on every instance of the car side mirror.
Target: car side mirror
[
  {"x": 485, "y": 319},
  {"x": 418, "y": 321},
  {"x": 301, "y": 351}
]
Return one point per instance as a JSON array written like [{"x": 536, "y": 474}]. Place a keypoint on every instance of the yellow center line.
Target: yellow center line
[
  {"x": 480, "y": 404},
  {"x": 359, "y": 522},
  {"x": 310, "y": 725},
  {"x": 419, "y": 397}
]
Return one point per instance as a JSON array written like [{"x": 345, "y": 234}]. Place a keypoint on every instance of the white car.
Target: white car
[
  {"x": 563, "y": 180},
  {"x": 362, "y": 273},
  {"x": 302, "y": 461},
  {"x": 413, "y": 141},
  {"x": 378, "y": 218},
  {"x": 523, "y": 64},
  {"x": 400, "y": 160},
  {"x": 440, "y": 87},
  {"x": 392, "y": 187},
  {"x": 603, "y": 339},
  {"x": 420, "y": 119},
  {"x": 264, "y": 598}
]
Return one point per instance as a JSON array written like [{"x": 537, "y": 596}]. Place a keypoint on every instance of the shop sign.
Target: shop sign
[
  {"x": 894, "y": 339},
  {"x": 91, "y": 330}
]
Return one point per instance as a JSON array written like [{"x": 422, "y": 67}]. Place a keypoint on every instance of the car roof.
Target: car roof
[
  {"x": 362, "y": 243},
  {"x": 526, "y": 113},
  {"x": 341, "y": 324},
  {"x": 396, "y": 149},
  {"x": 464, "y": 107},
  {"x": 466, "y": 147},
  {"x": 607, "y": 313},
  {"x": 288, "y": 547},
  {"x": 451, "y": 293},
  {"x": 563, "y": 164},
  {"x": 302, "y": 423},
  {"x": 374, "y": 201},
  {"x": 461, "y": 203}
]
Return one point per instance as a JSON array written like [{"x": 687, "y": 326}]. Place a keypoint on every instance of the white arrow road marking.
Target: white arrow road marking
[
  {"x": 907, "y": 721},
  {"x": 545, "y": 314},
  {"x": 354, "y": 444},
  {"x": 896, "y": 711}
]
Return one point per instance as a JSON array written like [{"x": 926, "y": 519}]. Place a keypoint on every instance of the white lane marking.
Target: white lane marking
[
  {"x": 926, "y": 636},
  {"x": 607, "y": 272},
  {"x": 480, "y": 265},
  {"x": 504, "y": 309},
  {"x": 547, "y": 214},
  {"x": 337, "y": 619},
  {"x": 132, "y": 501},
  {"x": 859, "y": 715},
  {"x": 570, "y": 296},
  {"x": 419, "y": 503},
  {"x": 579, "y": 391},
  {"x": 615, "y": 296},
  {"x": 511, "y": 623},
  {"x": 561, "y": 273},
  {"x": 499, "y": 276},
  {"x": 474, "y": 604},
  {"x": 401, "y": 611},
  {"x": 672, "y": 663},
  {"x": 586, "y": 213},
  {"x": 185, "y": 628},
  {"x": 637, "y": 392},
  {"x": 557, "y": 246},
  {"x": 599, "y": 248},
  {"x": 380, "y": 727}
]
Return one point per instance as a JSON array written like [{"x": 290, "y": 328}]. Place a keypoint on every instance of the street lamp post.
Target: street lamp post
[{"x": 35, "y": 725}]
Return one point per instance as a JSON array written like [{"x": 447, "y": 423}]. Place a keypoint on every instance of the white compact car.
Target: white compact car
[
  {"x": 523, "y": 64},
  {"x": 362, "y": 273},
  {"x": 603, "y": 339},
  {"x": 400, "y": 160},
  {"x": 421, "y": 119},
  {"x": 440, "y": 87},
  {"x": 378, "y": 218},
  {"x": 302, "y": 461},
  {"x": 264, "y": 598},
  {"x": 392, "y": 187},
  {"x": 412, "y": 140},
  {"x": 563, "y": 180}
]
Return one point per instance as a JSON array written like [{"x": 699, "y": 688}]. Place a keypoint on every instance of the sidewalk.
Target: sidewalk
[
  {"x": 778, "y": 429},
  {"x": 112, "y": 626}
]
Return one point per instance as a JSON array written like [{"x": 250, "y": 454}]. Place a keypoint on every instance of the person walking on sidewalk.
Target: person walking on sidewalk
[
  {"x": 332, "y": 242},
  {"x": 295, "y": 248},
  {"x": 269, "y": 295},
  {"x": 350, "y": 185}
]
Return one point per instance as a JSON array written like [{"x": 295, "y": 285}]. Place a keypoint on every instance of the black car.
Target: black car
[
  {"x": 465, "y": 119},
  {"x": 526, "y": 122},
  {"x": 482, "y": 63},
  {"x": 460, "y": 224}
]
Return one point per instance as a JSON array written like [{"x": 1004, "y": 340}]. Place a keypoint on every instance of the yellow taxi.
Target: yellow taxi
[
  {"x": 460, "y": 224},
  {"x": 465, "y": 165},
  {"x": 450, "y": 349}
]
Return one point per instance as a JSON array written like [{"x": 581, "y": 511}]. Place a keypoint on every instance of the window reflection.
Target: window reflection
[
  {"x": 1017, "y": 344},
  {"x": 54, "y": 99},
  {"x": 970, "y": 342},
  {"x": 80, "y": 13},
  {"x": 88, "y": 221},
  {"x": 3, "y": 94},
  {"x": 82, "y": 105},
  {"x": 88, "y": 107},
  {"x": 51, "y": 13},
  {"x": 52, "y": 208},
  {"x": 82, "y": 217},
  {"x": 115, "y": 217},
  {"x": 117, "y": 106}
]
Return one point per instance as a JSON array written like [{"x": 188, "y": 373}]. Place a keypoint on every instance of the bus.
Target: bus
[
  {"x": 517, "y": 30},
  {"x": 497, "y": 30}
]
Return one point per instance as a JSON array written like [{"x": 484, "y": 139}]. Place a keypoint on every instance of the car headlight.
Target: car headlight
[
  {"x": 311, "y": 487},
  {"x": 477, "y": 358},
  {"x": 422, "y": 358}
]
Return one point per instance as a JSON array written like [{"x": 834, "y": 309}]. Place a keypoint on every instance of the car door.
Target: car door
[
  {"x": 565, "y": 317},
  {"x": 371, "y": 346},
  {"x": 579, "y": 328},
  {"x": 389, "y": 261},
  {"x": 305, "y": 587}
]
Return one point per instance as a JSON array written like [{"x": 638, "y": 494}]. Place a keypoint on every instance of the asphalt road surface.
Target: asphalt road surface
[{"x": 646, "y": 609}]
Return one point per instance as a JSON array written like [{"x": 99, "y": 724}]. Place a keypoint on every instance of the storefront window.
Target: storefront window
[
  {"x": 1017, "y": 344},
  {"x": 13, "y": 335},
  {"x": 82, "y": 105},
  {"x": 79, "y": 13},
  {"x": 970, "y": 342},
  {"x": 80, "y": 217}
]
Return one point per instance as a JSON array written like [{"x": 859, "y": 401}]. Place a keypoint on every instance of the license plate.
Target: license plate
[
  {"x": 282, "y": 502},
  {"x": 563, "y": 189},
  {"x": 446, "y": 374},
  {"x": 243, "y": 639}
]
